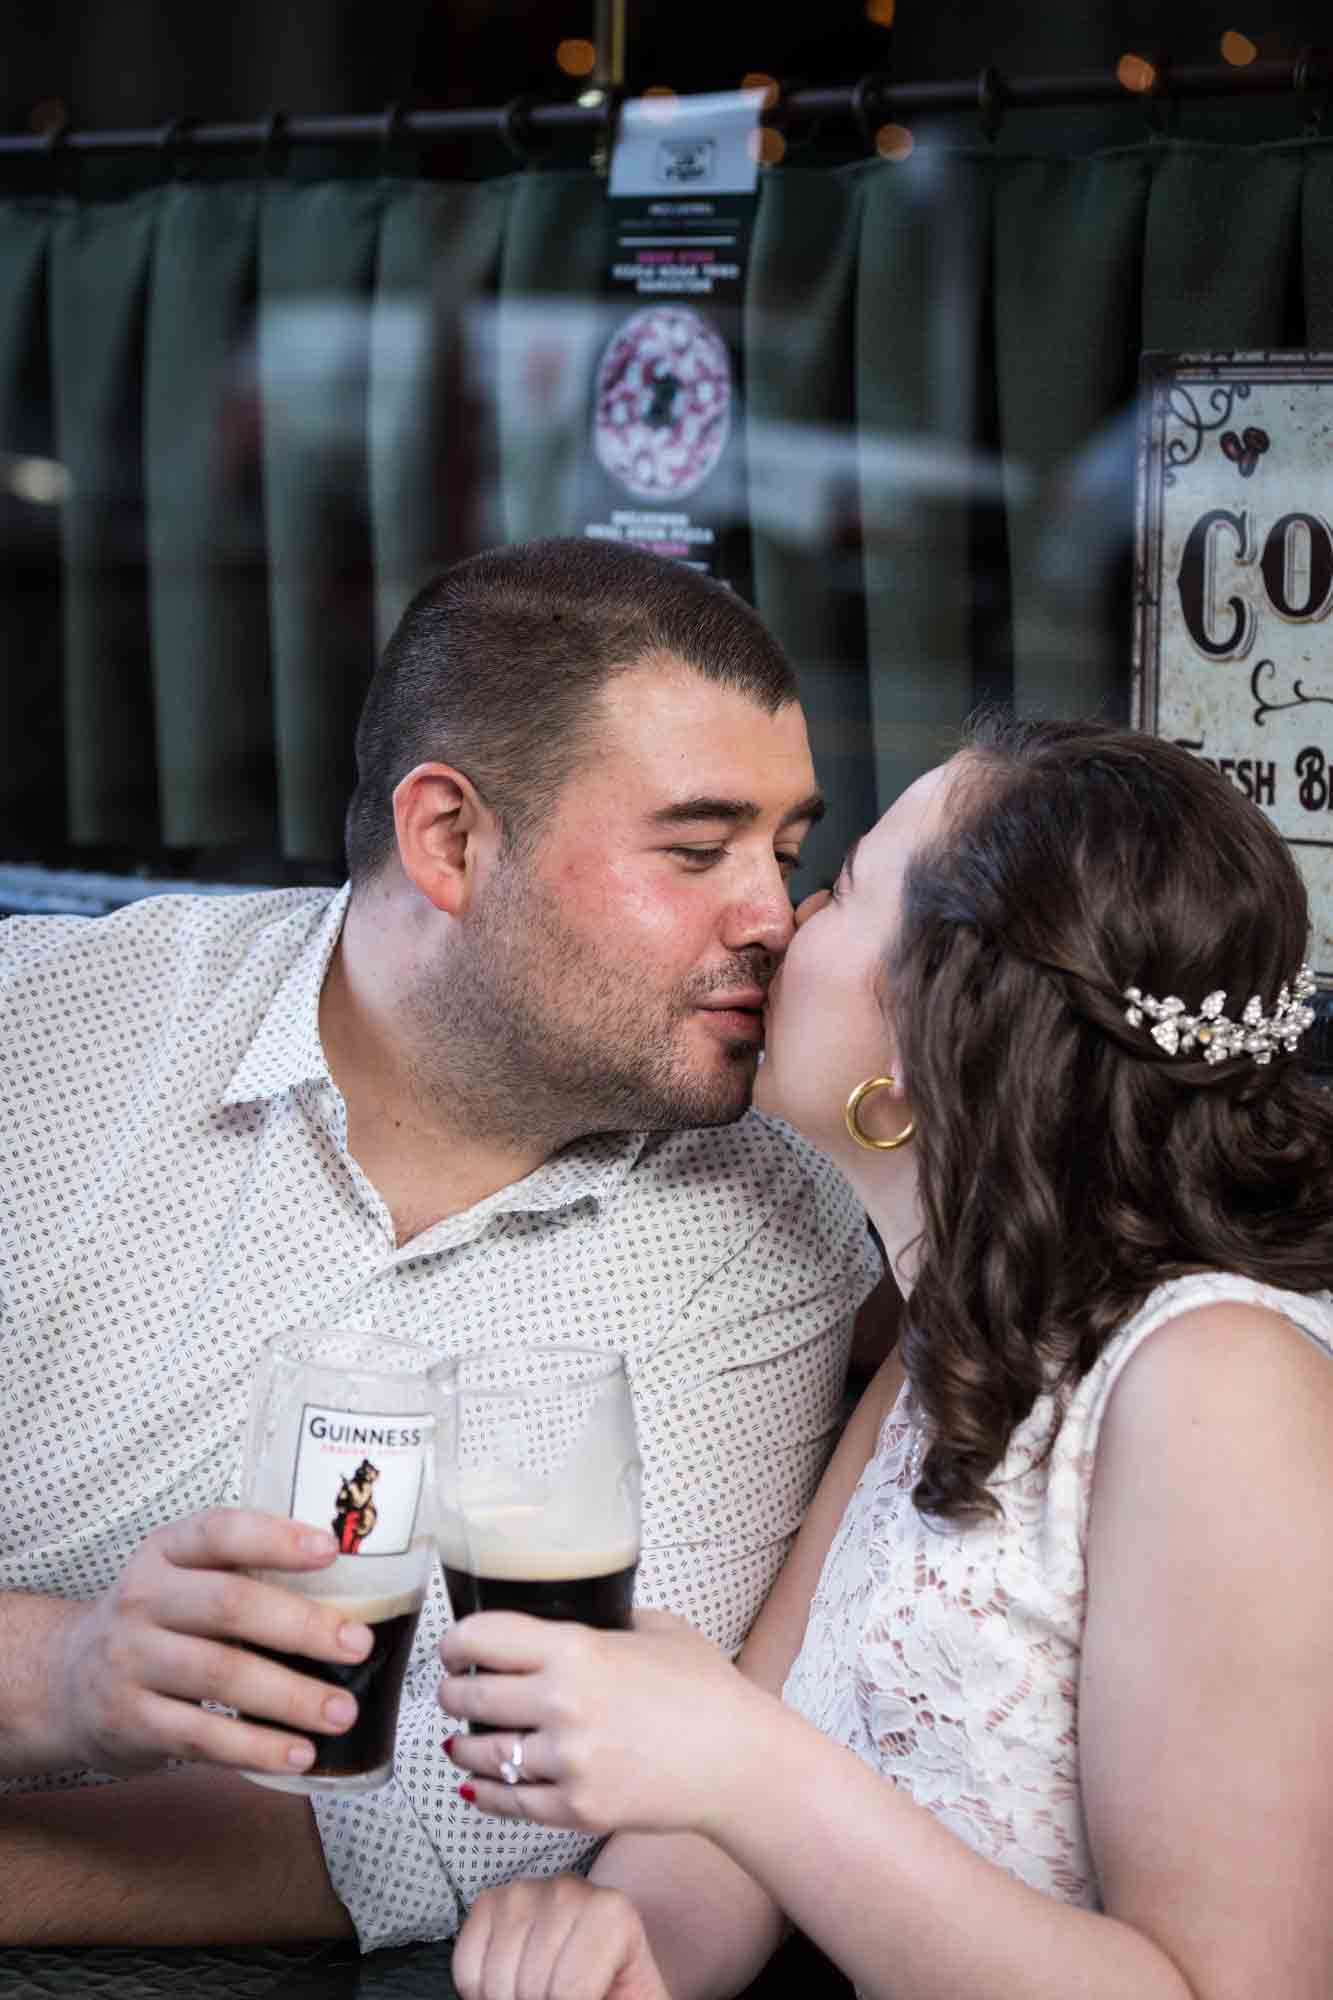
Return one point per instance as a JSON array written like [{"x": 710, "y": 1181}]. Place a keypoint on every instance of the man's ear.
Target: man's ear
[{"x": 446, "y": 833}]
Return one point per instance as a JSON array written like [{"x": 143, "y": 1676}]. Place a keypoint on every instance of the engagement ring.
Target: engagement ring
[{"x": 511, "y": 1767}]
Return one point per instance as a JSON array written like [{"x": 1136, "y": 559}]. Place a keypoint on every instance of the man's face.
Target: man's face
[{"x": 625, "y": 953}]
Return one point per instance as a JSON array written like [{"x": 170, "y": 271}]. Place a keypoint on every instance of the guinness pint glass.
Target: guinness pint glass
[
  {"x": 537, "y": 1476},
  {"x": 341, "y": 1435}
]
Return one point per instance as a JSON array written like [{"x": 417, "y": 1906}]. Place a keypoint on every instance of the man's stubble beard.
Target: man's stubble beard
[{"x": 538, "y": 1036}]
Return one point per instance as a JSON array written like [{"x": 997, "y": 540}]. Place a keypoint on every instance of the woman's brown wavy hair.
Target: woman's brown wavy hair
[{"x": 1066, "y": 1163}]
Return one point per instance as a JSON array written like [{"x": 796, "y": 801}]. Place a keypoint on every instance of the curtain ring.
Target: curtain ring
[
  {"x": 1158, "y": 103},
  {"x": 867, "y": 107},
  {"x": 798, "y": 130},
  {"x": 1312, "y": 82},
  {"x": 516, "y": 128},
  {"x": 393, "y": 128},
  {"x": 171, "y": 137},
  {"x": 273, "y": 135},
  {"x": 55, "y": 135},
  {"x": 990, "y": 101},
  {"x": 613, "y": 100}
]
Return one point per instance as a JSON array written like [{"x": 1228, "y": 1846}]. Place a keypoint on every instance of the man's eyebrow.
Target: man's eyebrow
[
  {"x": 811, "y": 809},
  {"x": 739, "y": 812}
]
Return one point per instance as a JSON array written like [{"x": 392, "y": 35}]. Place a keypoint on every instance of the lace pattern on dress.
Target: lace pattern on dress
[{"x": 947, "y": 1656}]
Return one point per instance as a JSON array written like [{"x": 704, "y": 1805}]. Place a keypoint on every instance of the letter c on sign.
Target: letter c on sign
[{"x": 1197, "y": 583}]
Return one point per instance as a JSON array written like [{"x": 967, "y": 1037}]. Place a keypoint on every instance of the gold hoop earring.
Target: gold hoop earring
[{"x": 852, "y": 1116}]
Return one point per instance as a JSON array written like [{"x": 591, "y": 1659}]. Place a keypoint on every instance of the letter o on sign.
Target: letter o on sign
[{"x": 1298, "y": 552}]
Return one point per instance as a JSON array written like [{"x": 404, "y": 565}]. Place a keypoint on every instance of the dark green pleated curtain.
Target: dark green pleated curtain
[{"x": 280, "y": 407}]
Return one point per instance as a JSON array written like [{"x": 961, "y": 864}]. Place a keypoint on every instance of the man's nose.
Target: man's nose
[{"x": 764, "y": 917}]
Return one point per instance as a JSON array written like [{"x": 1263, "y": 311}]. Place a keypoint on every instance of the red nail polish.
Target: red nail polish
[
  {"x": 468, "y": 1792},
  {"x": 449, "y": 1743}
]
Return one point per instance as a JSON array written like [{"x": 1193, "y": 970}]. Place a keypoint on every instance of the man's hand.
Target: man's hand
[
  {"x": 547, "y": 1940},
  {"x": 128, "y": 1672}
]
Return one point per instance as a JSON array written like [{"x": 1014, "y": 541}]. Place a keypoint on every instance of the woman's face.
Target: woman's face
[{"x": 826, "y": 1030}]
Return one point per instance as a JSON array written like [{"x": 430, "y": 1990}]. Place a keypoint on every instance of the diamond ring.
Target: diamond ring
[{"x": 511, "y": 1767}]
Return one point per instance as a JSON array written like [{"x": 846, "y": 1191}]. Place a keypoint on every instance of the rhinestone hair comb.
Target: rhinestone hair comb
[{"x": 1214, "y": 1035}]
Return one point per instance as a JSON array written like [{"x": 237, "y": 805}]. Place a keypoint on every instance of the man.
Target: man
[{"x": 487, "y": 1094}]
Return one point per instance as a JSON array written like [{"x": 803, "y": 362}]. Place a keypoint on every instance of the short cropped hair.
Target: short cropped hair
[{"x": 496, "y": 667}]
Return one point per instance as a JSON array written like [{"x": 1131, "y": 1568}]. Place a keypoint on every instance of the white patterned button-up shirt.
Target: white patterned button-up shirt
[{"x": 175, "y": 1185}]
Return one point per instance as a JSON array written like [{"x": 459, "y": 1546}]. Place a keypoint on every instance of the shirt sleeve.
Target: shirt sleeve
[{"x": 737, "y": 1404}]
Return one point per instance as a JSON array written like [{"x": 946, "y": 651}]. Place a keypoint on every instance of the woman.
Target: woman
[{"x": 1065, "y": 1583}]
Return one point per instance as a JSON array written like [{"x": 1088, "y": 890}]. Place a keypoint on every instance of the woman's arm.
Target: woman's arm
[
  {"x": 1206, "y": 1725},
  {"x": 710, "y": 1926}
]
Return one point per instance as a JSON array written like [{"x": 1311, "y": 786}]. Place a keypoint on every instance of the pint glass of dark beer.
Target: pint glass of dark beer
[
  {"x": 341, "y": 1435},
  {"x": 537, "y": 1476}
]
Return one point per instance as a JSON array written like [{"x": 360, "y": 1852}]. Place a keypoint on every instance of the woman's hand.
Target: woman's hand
[
  {"x": 638, "y": 1729},
  {"x": 556, "y": 1940}
]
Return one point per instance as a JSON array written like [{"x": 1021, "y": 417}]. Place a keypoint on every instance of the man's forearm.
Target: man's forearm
[
  {"x": 182, "y": 1857},
  {"x": 33, "y": 1734}
]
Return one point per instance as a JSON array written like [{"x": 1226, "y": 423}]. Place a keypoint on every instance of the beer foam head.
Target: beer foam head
[
  {"x": 378, "y": 1610},
  {"x": 526, "y": 1545},
  {"x": 400, "y": 1580},
  {"x": 502, "y": 1525},
  {"x": 552, "y": 1482}
]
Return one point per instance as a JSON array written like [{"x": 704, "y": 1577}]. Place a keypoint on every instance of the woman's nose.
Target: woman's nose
[{"x": 809, "y": 904}]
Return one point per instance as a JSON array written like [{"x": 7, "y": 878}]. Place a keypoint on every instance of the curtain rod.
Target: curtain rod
[{"x": 875, "y": 98}]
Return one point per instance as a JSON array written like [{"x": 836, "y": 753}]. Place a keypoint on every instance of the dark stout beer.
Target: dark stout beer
[
  {"x": 600, "y": 1591},
  {"x": 603, "y": 1601},
  {"x": 375, "y": 1681}
]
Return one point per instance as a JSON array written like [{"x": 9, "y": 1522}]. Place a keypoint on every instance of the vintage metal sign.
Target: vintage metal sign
[{"x": 1234, "y": 588}]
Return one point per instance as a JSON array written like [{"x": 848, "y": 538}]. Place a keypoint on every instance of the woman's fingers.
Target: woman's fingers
[
  {"x": 499, "y": 1701},
  {"x": 525, "y": 1751},
  {"x": 543, "y": 1805},
  {"x": 508, "y": 1642}
]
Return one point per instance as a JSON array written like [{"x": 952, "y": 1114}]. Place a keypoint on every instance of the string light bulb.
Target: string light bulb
[
  {"x": 881, "y": 12},
  {"x": 1238, "y": 49},
  {"x": 893, "y": 142},
  {"x": 1135, "y": 73},
  {"x": 575, "y": 56},
  {"x": 758, "y": 79},
  {"x": 660, "y": 102},
  {"x": 767, "y": 145}
]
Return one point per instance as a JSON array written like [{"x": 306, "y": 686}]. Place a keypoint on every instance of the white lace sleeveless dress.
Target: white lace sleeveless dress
[{"x": 948, "y": 1657}]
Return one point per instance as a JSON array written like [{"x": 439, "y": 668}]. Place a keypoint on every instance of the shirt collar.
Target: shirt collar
[
  {"x": 286, "y": 1049},
  {"x": 590, "y": 1169}
]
